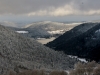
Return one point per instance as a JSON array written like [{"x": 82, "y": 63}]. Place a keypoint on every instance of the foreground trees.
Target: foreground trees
[{"x": 90, "y": 68}]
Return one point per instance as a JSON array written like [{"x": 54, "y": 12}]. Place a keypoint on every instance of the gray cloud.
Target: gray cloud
[{"x": 50, "y": 7}]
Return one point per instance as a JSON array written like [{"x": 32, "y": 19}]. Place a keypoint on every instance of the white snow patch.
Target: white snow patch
[
  {"x": 67, "y": 72},
  {"x": 97, "y": 31},
  {"x": 56, "y": 32},
  {"x": 74, "y": 24},
  {"x": 41, "y": 38},
  {"x": 81, "y": 59},
  {"x": 22, "y": 32}
]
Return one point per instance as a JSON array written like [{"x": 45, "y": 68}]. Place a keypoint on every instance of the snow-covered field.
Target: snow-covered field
[
  {"x": 59, "y": 31},
  {"x": 56, "y": 32},
  {"x": 44, "y": 41},
  {"x": 22, "y": 32}
]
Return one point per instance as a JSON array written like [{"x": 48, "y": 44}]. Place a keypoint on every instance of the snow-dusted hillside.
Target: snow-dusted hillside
[
  {"x": 20, "y": 53},
  {"x": 52, "y": 26}
]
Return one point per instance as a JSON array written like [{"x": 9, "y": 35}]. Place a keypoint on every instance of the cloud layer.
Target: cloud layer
[{"x": 49, "y": 7}]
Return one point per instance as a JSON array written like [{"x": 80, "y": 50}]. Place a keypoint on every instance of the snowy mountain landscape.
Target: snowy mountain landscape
[
  {"x": 73, "y": 42},
  {"x": 81, "y": 43},
  {"x": 49, "y": 37}
]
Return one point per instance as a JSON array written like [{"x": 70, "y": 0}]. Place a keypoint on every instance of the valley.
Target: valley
[
  {"x": 49, "y": 37},
  {"x": 61, "y": 50}
]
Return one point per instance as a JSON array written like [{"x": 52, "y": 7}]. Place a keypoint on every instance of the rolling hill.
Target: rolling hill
[{"x": 18, "y": 52}]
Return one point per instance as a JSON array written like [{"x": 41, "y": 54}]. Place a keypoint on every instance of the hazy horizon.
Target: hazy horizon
[{"x": 28, "y": 11}]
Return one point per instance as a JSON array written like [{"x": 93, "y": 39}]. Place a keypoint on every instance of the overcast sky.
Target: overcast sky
[{"x": 54, "y": 10}]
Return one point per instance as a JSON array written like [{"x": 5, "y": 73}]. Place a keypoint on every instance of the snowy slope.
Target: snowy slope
[{"x": 21, "y": 53}]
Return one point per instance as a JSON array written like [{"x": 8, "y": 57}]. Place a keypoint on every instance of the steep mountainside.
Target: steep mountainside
[
  {"x": 81, "y": 41},
  {"x": 18, "y": 52},
  {"x": 71, "y": 34},
  {"x": 46, "y": 29}
]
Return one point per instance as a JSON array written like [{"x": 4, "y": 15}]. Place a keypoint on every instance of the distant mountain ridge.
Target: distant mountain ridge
[
  {"x": 80, "y": 41},
  {"x": 46, "y": 29}
]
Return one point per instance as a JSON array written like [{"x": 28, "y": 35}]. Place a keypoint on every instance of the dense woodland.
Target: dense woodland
[
  {"x": 17, "y": 51},
  {"x": 90, "y": 68},
  {"x": 82, "y": 41}
]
